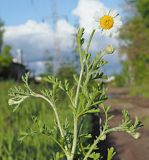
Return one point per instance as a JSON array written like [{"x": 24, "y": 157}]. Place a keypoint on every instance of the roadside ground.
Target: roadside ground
[{"x": 127, "y": 147}]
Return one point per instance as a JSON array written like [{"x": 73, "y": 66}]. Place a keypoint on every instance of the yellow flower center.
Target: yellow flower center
[{"x": 106, "y": 22}]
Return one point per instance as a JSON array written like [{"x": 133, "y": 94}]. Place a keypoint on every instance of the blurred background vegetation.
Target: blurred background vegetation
[
  {"x": 5, "y": 55},
  {"x": 135, "y": 40}
]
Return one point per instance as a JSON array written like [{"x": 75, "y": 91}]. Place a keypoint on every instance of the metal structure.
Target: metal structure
[
  {"x": 53, "y": 20},
  {"x": 55, "y": 38}
]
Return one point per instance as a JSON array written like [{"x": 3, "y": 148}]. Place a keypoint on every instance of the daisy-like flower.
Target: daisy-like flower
[{"x": 109, "y": 22}]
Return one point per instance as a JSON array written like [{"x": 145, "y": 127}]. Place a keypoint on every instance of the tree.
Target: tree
[
  {"x": 1, "y": 33},
  {"x": 66, "y": 71},
  {"x": 135, "y": 35},
  {"x": 5, "y": 55}
]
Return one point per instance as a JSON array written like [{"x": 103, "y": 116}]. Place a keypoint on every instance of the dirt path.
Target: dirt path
[{"x": 127, "y": 147}]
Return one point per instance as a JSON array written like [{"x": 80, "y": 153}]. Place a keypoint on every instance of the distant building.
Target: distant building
[{"x": 16, "y": 69}]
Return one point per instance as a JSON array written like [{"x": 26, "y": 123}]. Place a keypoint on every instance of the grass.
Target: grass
[
  {"x": 140, "y": 90},
  {"x": 13, "y": 123}
]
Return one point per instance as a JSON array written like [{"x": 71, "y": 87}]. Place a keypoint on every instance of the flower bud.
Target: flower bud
[
  {"x": 103, "y": 137},
  {"x": 136, "y": 135},
  {"x": 109, "y": 49}
]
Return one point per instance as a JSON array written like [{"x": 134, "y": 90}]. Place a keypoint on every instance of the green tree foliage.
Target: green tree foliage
[
  {"x": 1, "y": 33},
  {"x": 143, "y": 8},
  {"x": 66, "y": 71},
  {"x": 5, "y": 57},
  {"x": 135, "y": 34}
]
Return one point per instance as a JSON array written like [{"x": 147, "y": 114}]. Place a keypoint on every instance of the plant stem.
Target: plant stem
[
  {"x": 92, "y": 147},
  {"x": 98, "y": 139},
  {"x": 76, "y": 116},
  {"x": 77, "y": 95},
  {"x": 57, "y": 119},
  {"x": 74, "y": 139},
  {"x": 78, "y": 87},
  {"x": 55, "y": 112},
  {"x": 87, "y": 48},
  {"x": 90, "y": 39}
]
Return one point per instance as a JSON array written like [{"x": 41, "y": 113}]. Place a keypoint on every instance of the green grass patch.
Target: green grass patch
[
  {"x": 140, "y": 90},
  {"x": 38, "y": 147}
]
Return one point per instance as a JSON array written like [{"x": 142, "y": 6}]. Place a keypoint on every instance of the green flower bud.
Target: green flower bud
[
  {"x": 103, "y": 137},
  {"x": 136, "y": 135},
  {"x": 109, "y": 49}
]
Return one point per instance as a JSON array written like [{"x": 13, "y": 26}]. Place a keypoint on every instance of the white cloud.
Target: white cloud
[
  {"x": 38, "y": 40},
  {"x": 64, "y": 34},
  {"x": 31, "y": 37}
]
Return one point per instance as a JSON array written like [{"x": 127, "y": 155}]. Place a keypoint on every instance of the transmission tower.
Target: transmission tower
[
  {"x": 52, "y": 18},
  {"x": 54, "y": 15},
  {"x": 55, "y": 36}
]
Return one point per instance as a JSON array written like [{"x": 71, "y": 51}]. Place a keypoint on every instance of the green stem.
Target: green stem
[
  {"x": 104, "y": 132},
  {"x": 78, "y": 87},
  {"x": 82, "y": 69},
  {"x": 55, "y": 112},
  {"x": 90, "y": 39},
  {"x": 59, "y": 145},
  {"x": 92, "y": 147},
  {"x": 77, "y": 95},
  {"x": 87, "y": 48},
  {"x": 74, "y": 139},
  {"x": 57, "y": 119},
  {"x": 76, "y": 116},
  {"x": 98, "y": 139}
]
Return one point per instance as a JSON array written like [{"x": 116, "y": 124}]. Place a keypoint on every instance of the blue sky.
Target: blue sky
[{"x": 15, "y": 12}]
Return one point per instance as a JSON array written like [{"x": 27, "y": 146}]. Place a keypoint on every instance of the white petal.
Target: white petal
[
  {"x": 117, "y": 18},
  {"x": 109, "y": 33},
  {"x": 106, "y": 32},
  {"x": 118, "y": 22},
  {"x": 113, "y": 13}
]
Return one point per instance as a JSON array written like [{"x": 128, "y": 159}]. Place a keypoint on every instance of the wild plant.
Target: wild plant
[{"x": 86, "y": 97}]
